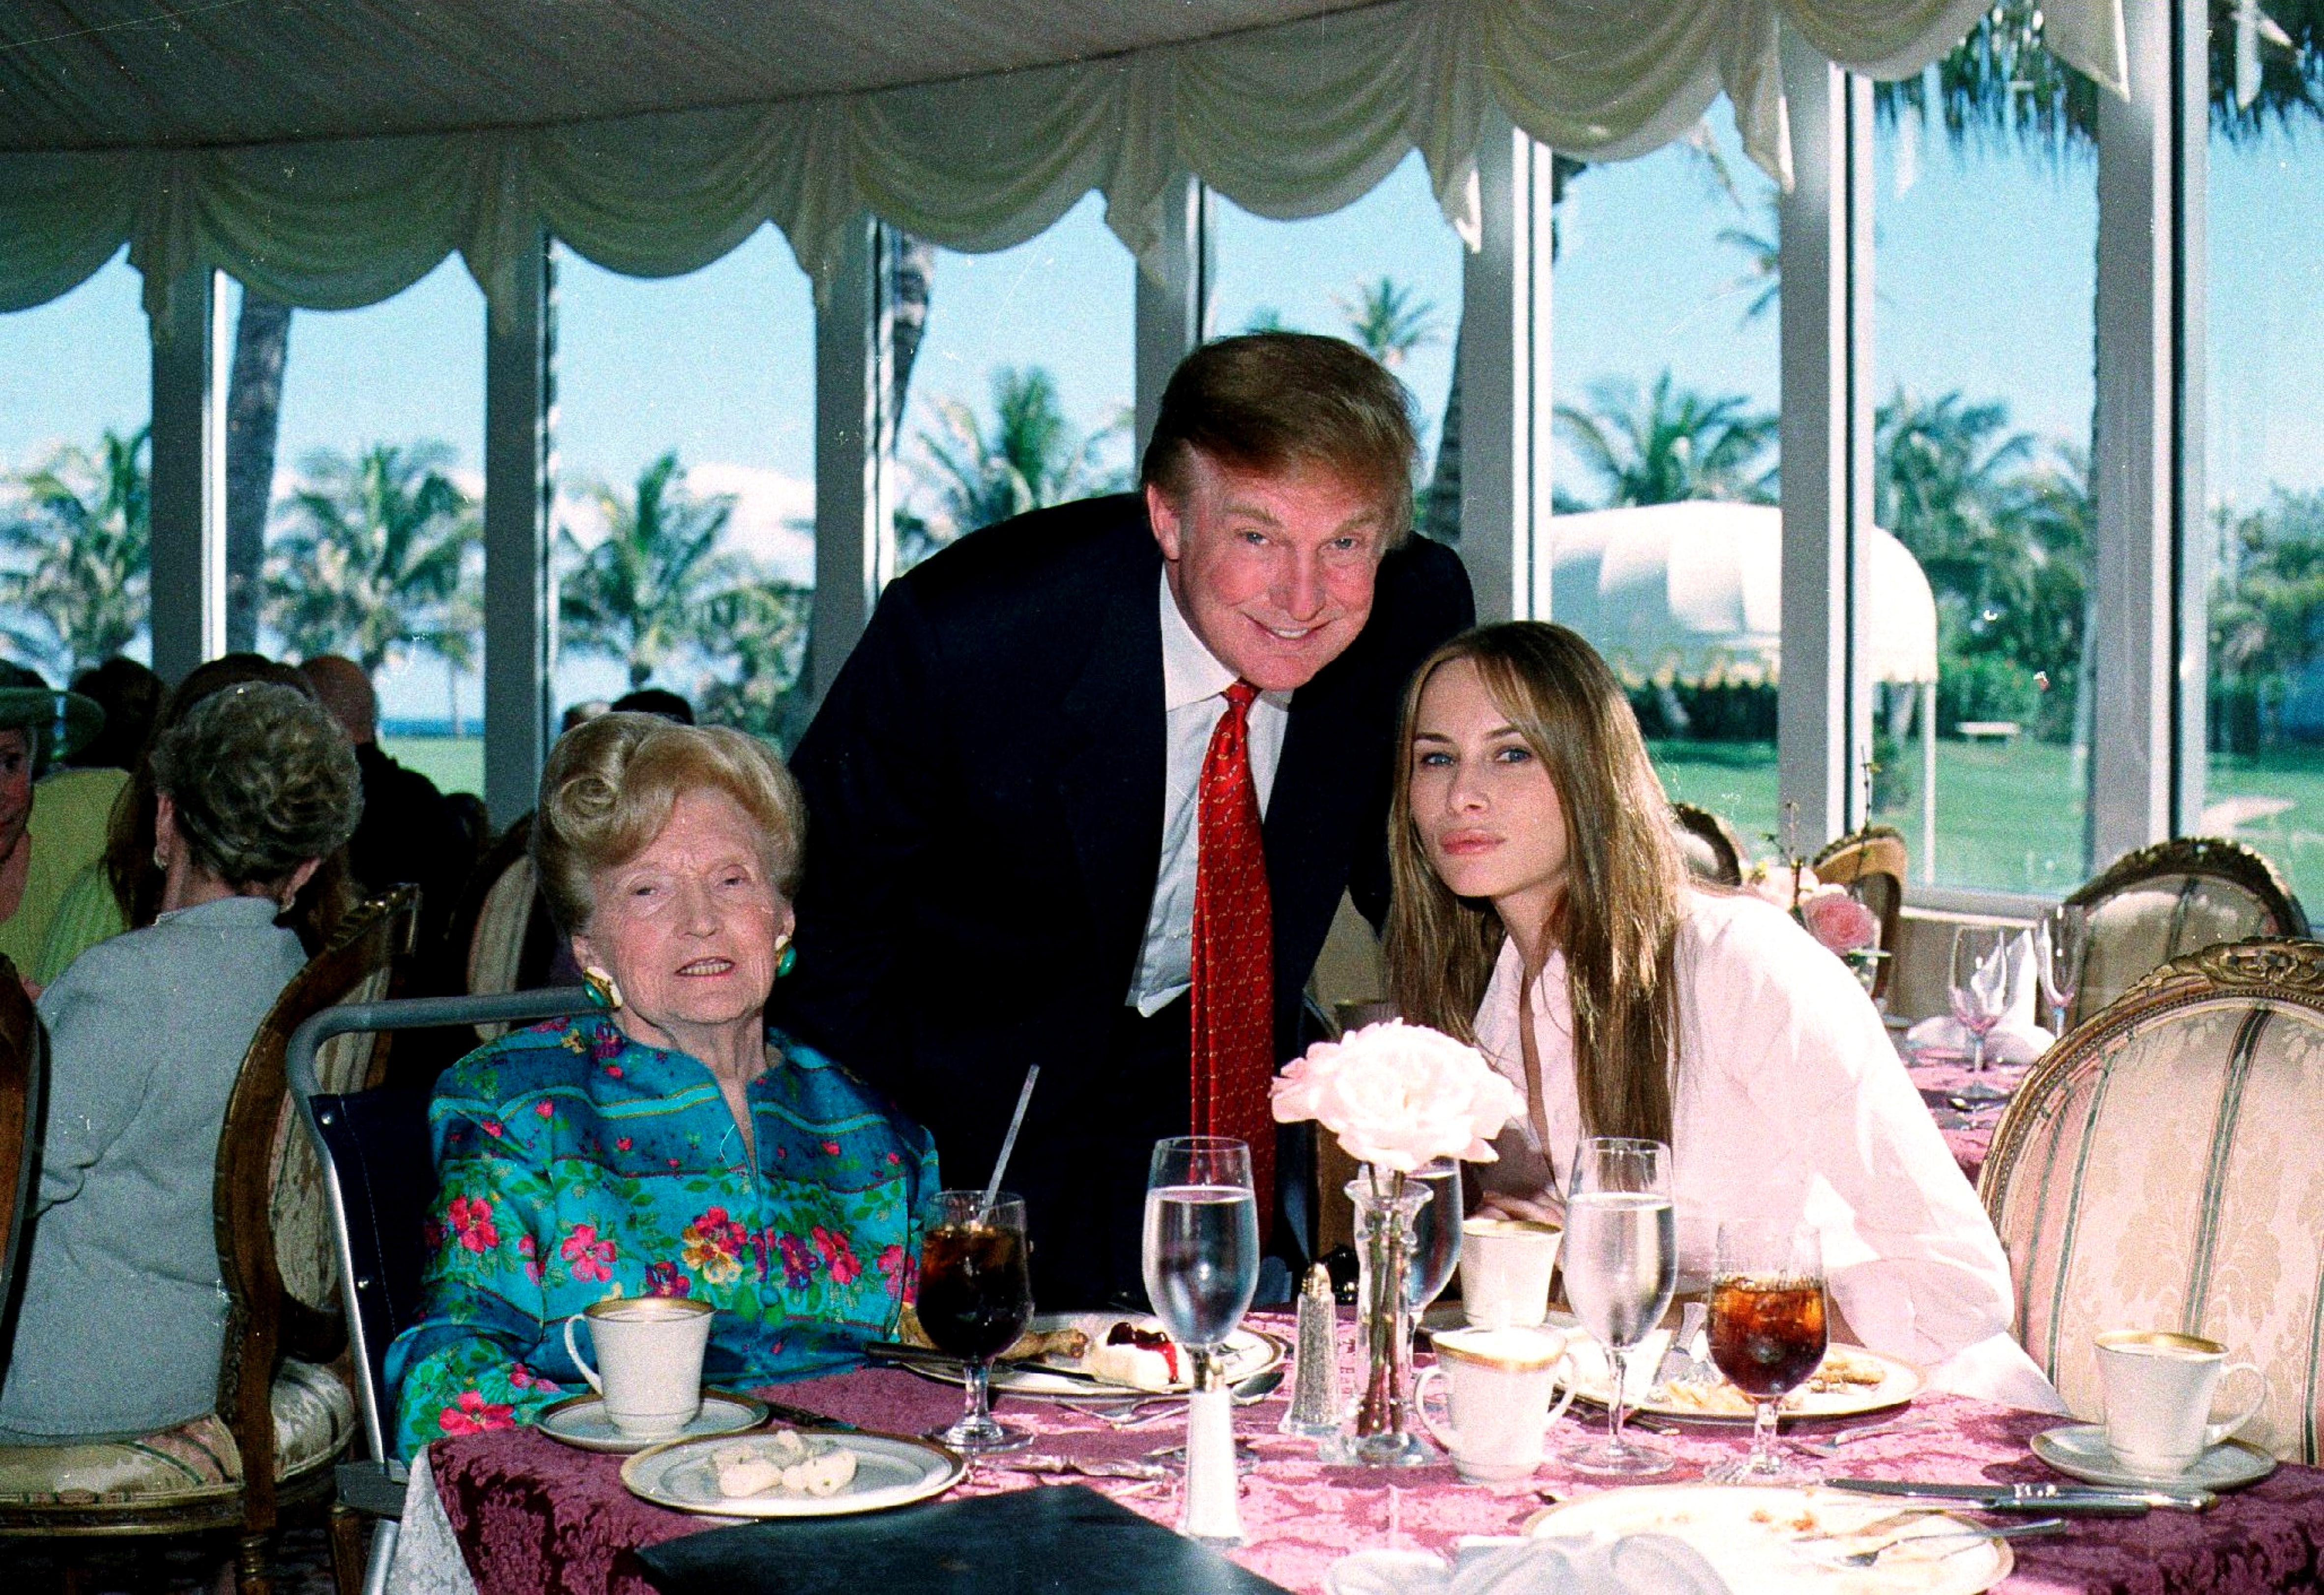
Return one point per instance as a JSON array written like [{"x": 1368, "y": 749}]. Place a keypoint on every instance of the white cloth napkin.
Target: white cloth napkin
[
  {"x": 2018, "y": 1038},
  {"x": 1636, "y": 1564}
]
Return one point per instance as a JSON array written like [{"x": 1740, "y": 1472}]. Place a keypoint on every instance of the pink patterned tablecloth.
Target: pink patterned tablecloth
[
  {"x": 533, "y": 1517},
  {"x": 1967, "y": 1129}
]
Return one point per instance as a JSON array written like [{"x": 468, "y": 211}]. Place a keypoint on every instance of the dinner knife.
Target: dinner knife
[
  {"x": 909, "y": 1356},
  {"x": 2036, "y": 1498}
]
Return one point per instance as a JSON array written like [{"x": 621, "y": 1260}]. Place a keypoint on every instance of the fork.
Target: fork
[
  {"x": 2009, "y": 1530},
  {"x": 1829, "y": 1445}
]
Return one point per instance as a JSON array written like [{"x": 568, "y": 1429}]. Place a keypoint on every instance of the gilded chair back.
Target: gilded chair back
[
  {"x": 1871, "y": 861},
  {"x": 2173, "y": 897},
  {"x": 504, "y": 927},
  {"x": 282, "y": 1419},
  {"x": 1714, "y": 853},
  {"x": 2158, "y": 1170}
]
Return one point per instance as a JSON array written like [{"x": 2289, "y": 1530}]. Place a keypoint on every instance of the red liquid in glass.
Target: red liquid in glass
[{"x": 1767, "y": 1335}]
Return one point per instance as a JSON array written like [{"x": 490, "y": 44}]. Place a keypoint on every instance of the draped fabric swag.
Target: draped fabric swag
[{"x": 1291, "y": 120}]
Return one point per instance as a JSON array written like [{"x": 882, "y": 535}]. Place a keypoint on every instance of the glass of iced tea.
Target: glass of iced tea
[
  {"x": 976, "y": 1296},
  {"x": 1766, "y": 1333}
]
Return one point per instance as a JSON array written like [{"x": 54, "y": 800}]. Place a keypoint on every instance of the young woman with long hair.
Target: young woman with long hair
[{"x": 1542, "y": 911}]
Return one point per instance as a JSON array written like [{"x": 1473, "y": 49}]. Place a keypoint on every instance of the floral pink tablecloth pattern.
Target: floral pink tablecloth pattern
[{"x": 532, "y": 1516}]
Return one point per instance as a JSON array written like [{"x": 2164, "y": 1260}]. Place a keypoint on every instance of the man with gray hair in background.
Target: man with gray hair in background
[{"x": 410, "y": 831}]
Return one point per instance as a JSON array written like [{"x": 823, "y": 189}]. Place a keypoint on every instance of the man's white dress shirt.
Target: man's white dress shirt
[
  {"x": 1791, "y": 1105},
  {"x": 1194, "y": 697}
]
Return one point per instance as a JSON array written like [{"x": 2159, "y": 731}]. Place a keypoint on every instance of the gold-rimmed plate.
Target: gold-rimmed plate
[
  {"x": 1874, "y": 1383},
  {"x": 1249, "y": 1351},
  {"x": 1767, "y": 1541},
  {"x": 890, "y": 1471}
]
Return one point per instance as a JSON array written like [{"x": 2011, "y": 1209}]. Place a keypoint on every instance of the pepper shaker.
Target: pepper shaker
[{"x": 1315, "y": 1410}]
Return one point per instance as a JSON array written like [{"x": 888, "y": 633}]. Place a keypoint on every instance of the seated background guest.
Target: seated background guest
[
  {"x": 659, "y": 700},
  {"x": 670, "y": 1143},
  {"x": 1542, "y": 910},
  {"x": 121, "y": 890},
  {"x": 119, "y": 1330},
  {"x": 409, "y": 830},
  {"x": 131, "y": 697},
  {"x": 43, "y": 844}
]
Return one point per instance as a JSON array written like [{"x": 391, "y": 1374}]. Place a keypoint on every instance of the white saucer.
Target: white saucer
[
  {"x": 2080, "y": 1451},
  {"x": 581, "y": 1421}
]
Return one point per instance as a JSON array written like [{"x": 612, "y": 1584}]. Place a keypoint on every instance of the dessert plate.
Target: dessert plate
[{"x": 890, "y": 1471}]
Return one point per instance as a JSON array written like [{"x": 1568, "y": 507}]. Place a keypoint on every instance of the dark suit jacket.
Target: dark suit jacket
[{"x": 984, "y": 796}]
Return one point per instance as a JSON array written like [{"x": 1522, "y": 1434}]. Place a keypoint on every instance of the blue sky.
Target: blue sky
[{"x": 1983, "y": 284}]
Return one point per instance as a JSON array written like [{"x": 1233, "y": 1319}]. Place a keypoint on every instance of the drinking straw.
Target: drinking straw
[{"x": 1009, "y": 1144}]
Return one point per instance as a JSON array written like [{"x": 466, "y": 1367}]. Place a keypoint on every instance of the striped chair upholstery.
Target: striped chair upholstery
[
  {"x": 2175, "y": 897},
  {"x": 2158, "y": 1170}
]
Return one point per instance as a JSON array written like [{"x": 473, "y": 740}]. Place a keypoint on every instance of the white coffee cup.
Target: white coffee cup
[
  {"x": 1505, "y": 1270},
  {"x": 1498, "y": 1385},
  {"x": 649, "y": 1360},
  {"x": 2158, "y": 1390}
]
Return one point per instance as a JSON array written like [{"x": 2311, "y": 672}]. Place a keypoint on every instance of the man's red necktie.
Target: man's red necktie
[{"x": 1233, "y": 962}]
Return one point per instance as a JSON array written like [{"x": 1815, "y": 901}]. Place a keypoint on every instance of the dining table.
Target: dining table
[{"x": 513, "y": 1511}]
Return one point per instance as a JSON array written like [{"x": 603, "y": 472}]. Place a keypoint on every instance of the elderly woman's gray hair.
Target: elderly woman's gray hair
[
  {"x": 262, "y": 780},
  {"x": 613, "y": 780}
]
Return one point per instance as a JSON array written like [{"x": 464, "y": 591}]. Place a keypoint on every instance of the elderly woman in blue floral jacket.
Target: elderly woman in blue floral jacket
[{"x": 667, "y": 1143}]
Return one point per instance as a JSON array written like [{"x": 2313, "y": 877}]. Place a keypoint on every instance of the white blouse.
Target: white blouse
[{"x": 1790, "y": 1104}]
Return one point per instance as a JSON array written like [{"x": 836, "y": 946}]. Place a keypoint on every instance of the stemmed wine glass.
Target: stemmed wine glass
[
  {"x": 976, "y": 1296},
  {"x": 1766, "y": 1333},
  {"x": 1979, "y": 984},
  {"x": 2061, "y": 942},
  {"x": 1435, "y": 1234},
  {"x": 1201, "y": 1261},
  {"x": 1621, "y": 1266}
]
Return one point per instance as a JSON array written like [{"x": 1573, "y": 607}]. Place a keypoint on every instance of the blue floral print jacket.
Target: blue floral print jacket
[{"x": 574, "y": 1164}]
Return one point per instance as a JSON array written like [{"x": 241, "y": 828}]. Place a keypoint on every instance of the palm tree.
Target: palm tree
[
  {"x": 641, "y": 595},
  {"x": 254, "y": 418},
  {"x": 762, "y": 625},
  {"x": 1680, "y": 445},
  {"x": 1388, "y": 321},
  {"x": 1763, "y": 253},
  {"x": 2267, "y": 606},
  {"x": 1026, "y": 456},
  {"x": 82, "y": 526},
  {"x": 374, "y": 552}
]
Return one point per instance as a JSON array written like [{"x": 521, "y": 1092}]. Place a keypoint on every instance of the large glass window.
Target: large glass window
[
  {"x": 1385, "y": 273},
  {"x": 685, "y": 437},
  {"x": 1013, "y": 373},
  {"x": 1987, "y": 229},
  {"x": 1667, "y": 540},
  {"x": 362, "y": 433},
  {"x": 75, "y": 394},
  {"x": 2265, "y": 457}
]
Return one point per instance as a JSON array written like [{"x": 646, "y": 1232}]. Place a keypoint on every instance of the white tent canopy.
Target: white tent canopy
[
  {"x": 1694, "y": 592},
  {"x": 329, "y": 155}
]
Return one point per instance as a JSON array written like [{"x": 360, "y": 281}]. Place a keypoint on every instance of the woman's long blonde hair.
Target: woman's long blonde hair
[{"x": 1618, "y": 919}]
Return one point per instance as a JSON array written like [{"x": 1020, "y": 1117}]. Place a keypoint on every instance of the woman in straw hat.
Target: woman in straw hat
[{"x": 42, "y": 846}]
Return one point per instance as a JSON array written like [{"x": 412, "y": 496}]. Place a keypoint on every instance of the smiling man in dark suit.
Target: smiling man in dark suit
[{"x": 1088, "y": 790}]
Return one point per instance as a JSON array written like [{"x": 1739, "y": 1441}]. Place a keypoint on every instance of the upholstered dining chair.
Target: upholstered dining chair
[
  {"x": 503, "y": 927},
  {"x": 1713, "y": 851},
  {"x": 24, "y": 1084},
  {"x": 1872, "y": 863},
  {"x": 2158, "y": 1170},
  {"x": 2153, "y": 904},
  {"x": 283, "y": 1417}
]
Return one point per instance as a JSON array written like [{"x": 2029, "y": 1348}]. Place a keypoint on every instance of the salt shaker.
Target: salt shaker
[{"x": 1315, "y": 1410}]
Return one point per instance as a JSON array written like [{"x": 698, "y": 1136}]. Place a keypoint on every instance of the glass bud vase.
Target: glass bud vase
[{"x": 1378, "y": 1431}]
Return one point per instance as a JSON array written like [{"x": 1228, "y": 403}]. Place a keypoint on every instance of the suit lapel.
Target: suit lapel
[
  {"x": 1109, "y": 773},
  {"x": 1311, "y": 813}
]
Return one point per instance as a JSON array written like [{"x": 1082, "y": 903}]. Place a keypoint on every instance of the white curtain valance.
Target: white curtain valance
[{"x": 1287, "y": 121}]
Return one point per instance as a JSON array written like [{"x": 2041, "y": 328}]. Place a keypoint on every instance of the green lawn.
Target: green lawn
[
  {"x": 2010, "y": 818},
  {"x": 454, "y": 764}
]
